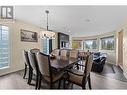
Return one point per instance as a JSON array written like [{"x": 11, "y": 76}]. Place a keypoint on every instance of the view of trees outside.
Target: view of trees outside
[
  {"x": 108, "y": 43},
  {"x": 4, "y": 46},
  {"x": 77, "y": 44},
  {"x": 90, "y": 44}
]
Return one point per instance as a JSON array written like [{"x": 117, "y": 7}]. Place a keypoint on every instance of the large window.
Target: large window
[
  {"x": 4, "y": 46},
  {"x": 46, "y": 46},
  {"x": 108, "y": 43},
  {"x": 90, "y": 44},
  {"x": 77, "y": 44}
]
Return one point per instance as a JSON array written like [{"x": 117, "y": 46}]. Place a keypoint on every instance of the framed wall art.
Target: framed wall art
[{"x": 28, "y": 36}]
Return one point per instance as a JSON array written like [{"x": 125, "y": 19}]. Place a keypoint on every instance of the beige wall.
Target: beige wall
[
  {"x": 123, "y": 27},
  {"x": 16, "y": 46},
  {"x": 111, "y": 55}
]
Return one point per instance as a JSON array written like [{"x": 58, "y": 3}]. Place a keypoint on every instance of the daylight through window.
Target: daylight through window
[{"x": 4, "y": 46}]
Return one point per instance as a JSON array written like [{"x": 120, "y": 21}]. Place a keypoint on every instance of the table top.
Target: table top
[{"x": 62, "y": 62}]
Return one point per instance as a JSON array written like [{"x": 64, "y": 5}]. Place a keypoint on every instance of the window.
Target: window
[
  {"x": 77, "y": 44},
  {"x": 108, "y": 43},
  {"x": 4, "y": 46},
  {"x": 46, "y": 46},
  {"x": 90, "y": 44}
]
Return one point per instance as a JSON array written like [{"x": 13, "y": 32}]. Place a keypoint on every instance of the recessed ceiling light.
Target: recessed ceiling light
[{"x": 87, "y": 20}]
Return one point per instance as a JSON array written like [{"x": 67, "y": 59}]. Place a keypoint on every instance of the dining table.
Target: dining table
[{"x": 63, "y": 62}]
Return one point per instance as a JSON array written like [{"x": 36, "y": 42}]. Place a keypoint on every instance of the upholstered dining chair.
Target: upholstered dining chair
[
  {"x": 34, "y": 64},
  {"x": 81, "y": 78},
  {"x": 73, "y": 54},
  {"x": 46, "y": 71},
  {"x": 27, "y": 63},
  {"x": 63, "y": 52},
  {"x": 56, "y": 52},
  {"x": 82, "y": 56}
]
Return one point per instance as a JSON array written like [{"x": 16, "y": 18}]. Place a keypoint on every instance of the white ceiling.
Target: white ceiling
[{"x": 75, "y": 20}]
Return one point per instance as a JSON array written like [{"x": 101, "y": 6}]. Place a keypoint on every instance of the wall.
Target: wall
[
  {"x": 16, "y": 46},
  {"x": 111, "y": 55},
  {"x": 123, "y": 27}
]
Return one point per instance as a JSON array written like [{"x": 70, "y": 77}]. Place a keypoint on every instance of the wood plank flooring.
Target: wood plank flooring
[{"x": 15, "y": 81}]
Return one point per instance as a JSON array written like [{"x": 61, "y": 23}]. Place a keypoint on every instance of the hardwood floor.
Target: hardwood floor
[{"x": 15, "y": 81}]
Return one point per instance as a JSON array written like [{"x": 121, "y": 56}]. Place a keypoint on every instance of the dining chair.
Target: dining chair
[
  {"x": 46, "y": 70},
  {"x": 55, "y": 52},
  {"x": 82, "y": 56},
  {"x": 81, "y": 78},
  {"x": 34, "y": 64},
  {"x": 73, "y": 54},
  {"x": 26, "y": 62},
  {"x": 63, "y": 52}
]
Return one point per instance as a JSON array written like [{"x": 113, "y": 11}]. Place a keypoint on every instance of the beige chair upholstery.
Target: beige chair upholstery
[
  {"x": 55, "y": 52},
  {"x": 32, "y": 57},
  {"x": 43, "y": 63},
  {"x": 32, "y": 60},
  {"x": 35, "y": 50},
  {"x": 26, "y": 61},
  {"x": 25, "y": 57},
  {"x": 81, "y": 78},
  {"x": 46, "y": 70},
  {"x": 63, "y": 52},
  {"x": 73, "y": 54},
  {"x": 34, "y": 64}
]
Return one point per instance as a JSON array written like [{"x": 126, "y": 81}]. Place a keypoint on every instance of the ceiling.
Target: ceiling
[{"x": 74, "y": 20}]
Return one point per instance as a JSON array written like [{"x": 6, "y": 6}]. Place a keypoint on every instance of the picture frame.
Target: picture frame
[{"x": 28, "y": 36}]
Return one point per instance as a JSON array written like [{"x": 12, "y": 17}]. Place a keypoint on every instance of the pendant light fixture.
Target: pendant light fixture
[{"x": 47, "y": 34}]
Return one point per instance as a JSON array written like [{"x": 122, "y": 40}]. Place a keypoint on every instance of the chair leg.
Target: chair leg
[
  {"x": 25, "y": 71},
  {"x": 77, "y": 67},
  {"x": 30, "y": 76},
  {"x": 64, "y": 81},
  {"x": 84, "y": 87},
  {"x": 40, "y": 78},
  {"x": 59, "y": 84},
  {"x": 71, "y": 85},
  {"x": 51, "y": 86},
  {"x": 89, "y": 82},
  {"x": 37, "y": 81}
]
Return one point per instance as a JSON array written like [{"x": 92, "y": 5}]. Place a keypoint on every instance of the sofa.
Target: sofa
[{"x": 98, "y": 62}]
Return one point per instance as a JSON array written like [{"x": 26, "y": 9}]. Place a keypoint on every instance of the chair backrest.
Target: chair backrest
[
  {"x": 26, "y": 58},
  {"x": 88, "y": 65},
  {"x": 63, "y": 52},
  {"x": 55, "y": 52},
  {"x": 33, "y": 60},
  {"x": 73, "y": 54},
  {"x": 44, "y": 64},
  {"x": 35, "y": 50}
]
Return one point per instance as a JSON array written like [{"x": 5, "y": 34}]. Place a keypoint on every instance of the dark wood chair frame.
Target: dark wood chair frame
[
  {"x": 85, "y": 77},
  {"x": 50, "y": 73},
  {"x": 31, "y": 71},
  {"x": 27, "y": 66}
]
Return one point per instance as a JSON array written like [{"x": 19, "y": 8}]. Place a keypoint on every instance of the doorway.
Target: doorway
[{"x": 120, "y": 49}]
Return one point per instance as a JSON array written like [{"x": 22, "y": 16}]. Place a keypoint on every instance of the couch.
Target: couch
[{"x": 98, "y": 62}]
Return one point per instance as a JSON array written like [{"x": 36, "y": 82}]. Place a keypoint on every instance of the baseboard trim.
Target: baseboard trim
[{"x": 9, "y": 72}]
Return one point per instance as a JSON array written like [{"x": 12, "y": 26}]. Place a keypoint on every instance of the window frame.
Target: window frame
[
  {"x": 105, "y": 38},
  {"x": 77, "y": 42},
  {"x": 92, "y": 39},
  {"x": 9, "y": 46}
]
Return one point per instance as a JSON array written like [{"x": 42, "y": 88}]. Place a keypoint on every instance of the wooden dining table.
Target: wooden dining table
[{"x": 63, "y": 62}]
